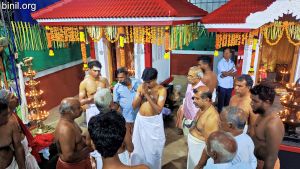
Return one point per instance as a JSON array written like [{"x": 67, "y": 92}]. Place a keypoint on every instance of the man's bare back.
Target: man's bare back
[
  {"x": 210, "y": 80},
  {"x": 157, "y": 94},
  {"x": 264, "y": 126}
]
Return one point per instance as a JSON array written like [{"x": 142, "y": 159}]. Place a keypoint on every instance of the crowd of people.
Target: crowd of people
[{"x": 126, "y": 129}]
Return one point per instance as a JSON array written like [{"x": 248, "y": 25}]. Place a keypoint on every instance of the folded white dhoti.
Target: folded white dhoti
[
  {"x": 13, "y": 164},
  {"x": 30, "y": 161},
  {"x": 148, "y": 139},
  {"x": 195, "y": 147},
  {"x": 90, "y": 112}
]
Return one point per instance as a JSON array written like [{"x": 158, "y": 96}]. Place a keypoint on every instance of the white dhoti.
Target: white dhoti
[
  {"x": 148, "y": 139},
  {"x": 30, "y": 161},
  {"x": 196, "y": 148},
  {"x": 90, "y": 112},
  {"x": 13, "y": 164}
]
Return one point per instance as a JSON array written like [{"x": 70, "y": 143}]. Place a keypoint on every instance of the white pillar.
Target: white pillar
[
  {"x": 101, "y": 51},
  {"x": 158, "y": 62},
  {"x": 139, "y": 60}
]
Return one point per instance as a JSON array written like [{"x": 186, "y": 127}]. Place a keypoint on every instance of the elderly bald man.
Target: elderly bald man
[
  {"x": 72, "y": 147},
  {"x": 222, "y": 148}
]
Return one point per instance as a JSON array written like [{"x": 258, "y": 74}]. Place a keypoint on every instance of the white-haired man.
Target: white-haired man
[
  {"x": 187, "y": 111},
  {"x": 222, "y": 148},
  {"x": 233, "y": 120}
]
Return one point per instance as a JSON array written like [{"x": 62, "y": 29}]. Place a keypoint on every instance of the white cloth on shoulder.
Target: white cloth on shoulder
[
  {"x": 13, "y": 164},
  {"x": 148, "y": 139},
  {"x": 90, "y": 112},
  {"x": 195, "y": 149},
  {"x": 214, "y": 95},
  {"x": 30, "y": 161},
  {"x": 124, "y": 157}
]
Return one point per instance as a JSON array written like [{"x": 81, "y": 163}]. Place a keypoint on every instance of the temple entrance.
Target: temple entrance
[
  {"x": 117, "y": 61},
  {"x": 277, "y": 63}
]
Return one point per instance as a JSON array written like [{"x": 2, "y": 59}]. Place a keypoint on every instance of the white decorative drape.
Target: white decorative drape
[
  {"x": 139, "y": 60},
  {"x": 158, "y": 62},
  {"x": 24, "y": 110},
  {"x": 101, "y": 51}
]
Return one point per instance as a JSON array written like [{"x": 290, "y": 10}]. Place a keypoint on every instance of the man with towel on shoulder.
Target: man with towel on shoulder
[
  {"x": 148, "y": 133},
  {"x": 206, "y": 121}
]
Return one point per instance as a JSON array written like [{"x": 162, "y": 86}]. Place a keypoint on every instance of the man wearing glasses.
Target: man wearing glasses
[
  {"x": 206, "y": 121},
  {"x": 187, "y": 111}
]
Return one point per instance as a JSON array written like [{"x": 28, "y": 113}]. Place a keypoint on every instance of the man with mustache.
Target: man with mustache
[
  {"x": 123, "y": 96},
  {"x": 268, "y": 127}
]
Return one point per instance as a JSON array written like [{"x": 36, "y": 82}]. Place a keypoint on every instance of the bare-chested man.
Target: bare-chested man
[
  {"x": 268, "y": 127},
  {"x": 11, "y": 150},
  {"x": 206, "y": 122},
  {"x": 242, "y": 100},
  {"x": 88, "y": 87},
  {"x": 26, "y": 137},
  {"x": 148, "y": 134},
  {"x": 73, "y": 150},
  {"x": 209, "y": 78},
  {"x": 107, "y": 131}
]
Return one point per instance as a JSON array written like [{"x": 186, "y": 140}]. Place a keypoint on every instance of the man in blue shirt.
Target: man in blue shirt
[
  {"x": 124, "y": 93},
  {"x": 226, "y": 72}
]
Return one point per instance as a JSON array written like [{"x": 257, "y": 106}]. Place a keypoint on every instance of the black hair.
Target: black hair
[
  {"x": 205, "y": 95},
  {"x": 205, "y": 59},
  {"x": 107, "y": 130},
  {"x": 247, "y": 78},
  {"x": 3, "y": 105},
  {"x": 149, "y": 74},
  {"x": 264, "y": 92},
  {"x": 122, "y": 70},
  {"x": 95, "y": 63},
  {"x": 226, "y": 49}
]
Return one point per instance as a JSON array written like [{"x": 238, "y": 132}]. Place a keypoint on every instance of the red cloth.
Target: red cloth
[
  {"x": 84, "y": 164},
  {"x": 43, "y": 140},
  {"x": 29, "y": 137}
]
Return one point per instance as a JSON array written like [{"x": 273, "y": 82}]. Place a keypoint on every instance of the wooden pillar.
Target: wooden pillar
[
  {"x": 92, "y": 48},
  {"x": 148, "y": 55}
]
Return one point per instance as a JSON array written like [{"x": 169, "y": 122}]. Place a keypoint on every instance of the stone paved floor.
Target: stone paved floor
[{"x": 175, "y": 152}]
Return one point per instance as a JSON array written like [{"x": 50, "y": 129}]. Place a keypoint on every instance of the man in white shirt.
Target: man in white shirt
[
  {"x": 222, "y": 148},
  {"x": 233, "y": 120},
  {"x": 226, "y": 72}
]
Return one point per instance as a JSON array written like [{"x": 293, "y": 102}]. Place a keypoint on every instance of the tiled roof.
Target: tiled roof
[
  {"x": 118, "y": 9},
  {"x": 236, "y": 11}
]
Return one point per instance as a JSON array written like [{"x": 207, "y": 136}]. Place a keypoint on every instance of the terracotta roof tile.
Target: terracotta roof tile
[
  {"x": 236, "y": 11},
  {"x": 118, "y": 9}
]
